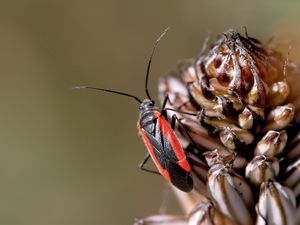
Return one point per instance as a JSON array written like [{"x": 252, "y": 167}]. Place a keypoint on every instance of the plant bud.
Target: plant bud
[
  {"x": 229, "y": 129},
  {"x": 276, "y": 205},
  {"x": 206, "y": 214},
  {"x": 280, "y": 117},
  {"x": 250, "y": 120},
  {"x": 202, "y": 214},
  {"x": 258, "y": 92},
  {"x": 279, "y": 92},
  {"x": 225, "y": 157},
  {"x": 261, "y": 169},
  {"x": 246, "y": 119},
  {"x": 212, "y": 108},
  {"x": 231, "y": 194},
  {"x": 230, "y": 140},
  {"x": 272, "y": 143},
  {"x": 200, "y": 135}
]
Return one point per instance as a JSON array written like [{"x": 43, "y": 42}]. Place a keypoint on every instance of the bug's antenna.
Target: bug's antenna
[
  {"x": 111, "y": 91},
  {"x": 150, "y": 59}
]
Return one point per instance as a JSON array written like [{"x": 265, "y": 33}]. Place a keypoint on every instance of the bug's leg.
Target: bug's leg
[
  {"x": 164, "y": 110},
  {"x": 173, "y": 124},
  {"x": 186, "y": 113},
  {"x": 167, "y": 99},
  {"x": 142, "y": 164}
]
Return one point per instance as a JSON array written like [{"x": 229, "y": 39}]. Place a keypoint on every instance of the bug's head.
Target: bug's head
[{"x": 146, "y": 104}]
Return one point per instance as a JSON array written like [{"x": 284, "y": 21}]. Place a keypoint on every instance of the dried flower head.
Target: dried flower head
[{"x": 244, "y": 145}]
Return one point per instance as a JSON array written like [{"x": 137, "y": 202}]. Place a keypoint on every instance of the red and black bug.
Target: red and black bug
[{"x": 159, "y": 137}]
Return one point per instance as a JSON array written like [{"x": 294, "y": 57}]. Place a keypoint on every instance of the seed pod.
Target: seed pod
[
  {"x": 211, "y": 107},
  {"x": 261, "y": 169},
  {"x": 201, "y": 136},
  {"x": 257, "y": 95},
  {"x": 161, "y": 220},
  {"x": 231, "y": 194},
  {"x": 230, "y": 140},
  {"x": 246, "y": 119},
  {"x": 258, "y": 110},
  {"x": 279, "y": 92},
  {"x": 250, "y": 120},
  {"x": 272, "y": 143},
  {"x": 292, "y": 177},
  {"x": 276, "y": 205},
  {"x": 227, "y": 128},
  {"x": 280, "y": 117},
  {"x": 206, "y": 214},
  {"x": 202, "y": 214},
  {"x": 217, "y": 89},
  {"x": 225, "y": 157}
]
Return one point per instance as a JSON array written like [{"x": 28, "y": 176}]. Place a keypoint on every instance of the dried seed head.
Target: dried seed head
[
  {"x": 241, "y": 65},
  {"x": 246, "y": 96},
  {"x": 261, "y": 169},
  {"x": 272, "y": 143}
]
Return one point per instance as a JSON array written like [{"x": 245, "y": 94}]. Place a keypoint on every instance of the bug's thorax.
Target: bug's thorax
[{"x": 148, "y": 113}]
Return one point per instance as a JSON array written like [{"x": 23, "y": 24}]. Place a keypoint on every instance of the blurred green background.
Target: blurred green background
[{"x": 70, "y": 157}]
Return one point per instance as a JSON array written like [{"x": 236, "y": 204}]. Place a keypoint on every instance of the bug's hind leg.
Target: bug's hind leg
[{"x": 143, "y": 163}]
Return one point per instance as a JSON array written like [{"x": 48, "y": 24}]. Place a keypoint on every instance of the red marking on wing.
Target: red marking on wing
[
  {"x": 162, "y": 171},
  {"x": 169, "y": 134}
]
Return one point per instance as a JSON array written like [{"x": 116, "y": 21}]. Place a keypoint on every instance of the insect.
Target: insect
[{"x": 158, "y": 135}]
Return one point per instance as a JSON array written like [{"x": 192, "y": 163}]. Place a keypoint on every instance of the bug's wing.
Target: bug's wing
[
  {"x": 180, "y": 177},
  {"x": 171, "y": 142},
  {"x": 167, "y": 164}
]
